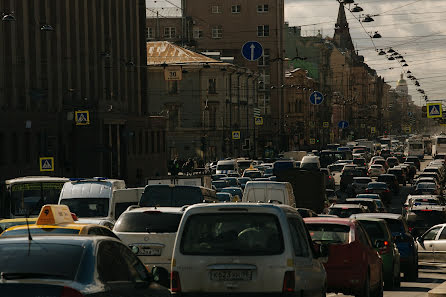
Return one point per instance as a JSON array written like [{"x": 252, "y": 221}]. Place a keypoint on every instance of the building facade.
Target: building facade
[
  {"x": 205, "y": 101},
  {"x": 59, "y": 57}
]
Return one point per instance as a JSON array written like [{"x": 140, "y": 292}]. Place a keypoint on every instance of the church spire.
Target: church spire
[{"x": 342, "y": 36}]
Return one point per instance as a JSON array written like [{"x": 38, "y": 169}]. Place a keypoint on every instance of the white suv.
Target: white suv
[
  {"x": 150, "y": 232},
  {"x": 245, "y": 248}
]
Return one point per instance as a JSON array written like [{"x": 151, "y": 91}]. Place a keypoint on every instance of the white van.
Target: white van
[
  {"x": 310, "y": 163},
  {"x": 241, "y": 249},
  {"x": 269, "y": 191},
  {"x": 93, "y": 200},
  {"x": 227, "y": 167}
]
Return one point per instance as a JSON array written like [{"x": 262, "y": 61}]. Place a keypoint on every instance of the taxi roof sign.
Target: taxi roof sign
[{"x": 53, "y": 214}]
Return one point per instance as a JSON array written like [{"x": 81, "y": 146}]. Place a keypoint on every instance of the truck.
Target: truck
[
  {"x": 183, "y": 180},
  {"x": 308, "y": 187}
]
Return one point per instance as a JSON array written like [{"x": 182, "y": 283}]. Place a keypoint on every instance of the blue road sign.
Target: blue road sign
[
  {"x": 343, "y": 124},
  {"x": 46, "y": 164},
  {"x": 252, "y": 50},
  {"x": 434, "y": 110},
  {"x": 316, "y": 98}
]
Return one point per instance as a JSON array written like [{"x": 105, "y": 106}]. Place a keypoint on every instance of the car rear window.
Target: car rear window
[
  {"x": 329, "y": 233},
  {"x": 344, "y": 212},
  {"x": 40, "y": 260},
  {"x": 232, "y": 234},
  {"x": 39, "y": 231},
  {"x": 377, "y": 186},
  {"x": 427, "y": 216},
  {"x": 170, "y": 196},
  {"x": 148, "y": 221},
  {"x": 396, "y": 226},
  {"x": 385, "y": 178},
  {"x": 375, "y": 230}
]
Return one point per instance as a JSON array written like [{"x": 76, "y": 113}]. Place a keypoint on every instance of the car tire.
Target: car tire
[{"x": 365, "y": 290}]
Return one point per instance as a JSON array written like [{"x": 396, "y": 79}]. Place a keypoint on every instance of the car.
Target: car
[
  {"x": 150, "y": 233},
  {"x": 423, "y": 188},
  {"x": 385, "y": 153},
  {"x": 392, "y": 161},
  {"x": 227, "y": 249},
  {"x": 329, "y": 179},
  {"x": 306, "y": 213},
  {"x": 347, "y": 176},
  {"x": 431, "y": 174},
  {"x": 406, "y": 169},
  {"x": 231, "y": 181},
  {"x": 218, "y": 176},
  {"x": 400, "y": 175},
  {"x": 376, "y": 170},
  {"x": 377, "y": 198},
  {"x": 73, "y": 266},
  {"x": 382, "y": 240},
  {"x": 8, "y": 223},
  {"x": 400, "y": 156},
  {"x": 371, "y": 204},
  {"x": 403, "y": 239},
  {"x": 219, "y": 184},
  {"x": 420, "y": 218},
  {"x": 381, "y": 162},
  {"x": 436, "y": 169},
  {"x": 415, "y": 200},
  {"x": 280, "y": 165},
  {"x": 412, "y": 169},
  {"x": 372, "y": 160},
  {"x": 359, "y": 185},
  {"x": 225, "y": 197},
  {"x": 56, "y": 220},
  {"x": 236, "y": 192},
  {"x": 331, "y": 195},
  {"x": 391, "y": 180},
  {"x": 359, "y": 161},
  {"x": 252, "y": 173},
  {"x": 353, "y": 266},
  {"x": 432, "y": 244},
  {"x": 242, "y": 181},
  {"x": 345, "y": 210},
  {"x": 414, "y": 160},
  {"x": 380, "y": 188}
]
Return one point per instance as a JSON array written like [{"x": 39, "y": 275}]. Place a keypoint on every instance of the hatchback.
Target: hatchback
[
  {"x": 237, "y": 249},
  {"x": 426, "y": 189},
  {"x": 400, "y": 175},
  {"x": 376, "y": 170}
]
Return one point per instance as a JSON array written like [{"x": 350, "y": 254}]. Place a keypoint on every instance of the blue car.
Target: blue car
[{"x": 403, "y": 239}]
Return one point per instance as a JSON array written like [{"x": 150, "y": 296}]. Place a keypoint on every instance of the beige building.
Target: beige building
[
  {"x": 224, "y": 26},
  {"x": 204, "y": 101}
]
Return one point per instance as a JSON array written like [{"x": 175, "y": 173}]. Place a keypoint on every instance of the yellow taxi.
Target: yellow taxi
[
  {"x": 8, "y": 223},
  {"x": 56, "y": 220}
]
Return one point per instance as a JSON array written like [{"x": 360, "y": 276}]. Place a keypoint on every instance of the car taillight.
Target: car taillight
[
  {"x": 175, "y": 284},
  {"x": 386, "y": 191},
  {"x": 329, "y": 177},
  {"x": 385, "y": 248},
  {"x": 70, "y": 292},
  {"x": 410, "y": 229},
  {"x": 288, "y": 282}
]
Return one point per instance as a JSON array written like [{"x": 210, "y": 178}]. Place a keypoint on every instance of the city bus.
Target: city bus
[
  {"x": 25, "y": 196},
  {"x": 415, "y": 147},
  {"x": 439, "y": 145}
]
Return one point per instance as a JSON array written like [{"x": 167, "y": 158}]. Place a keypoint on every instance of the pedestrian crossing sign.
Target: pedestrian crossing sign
[
  {"x": 46, "y": 164},
  {"x": 235, "y": 134},
  {"x": 434, "y": 110},
  {"x": 82, "y": 117},
  {"x": 258, "y": 121}
]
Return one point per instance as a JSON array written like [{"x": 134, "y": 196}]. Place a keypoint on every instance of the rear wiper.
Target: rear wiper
[{"x": 24, "y": 275}]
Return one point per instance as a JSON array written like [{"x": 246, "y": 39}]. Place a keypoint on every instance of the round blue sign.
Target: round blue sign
[
  {"x": 343, "y": 124},
  {"x": 316, "y": 98},
  {"x": 252, "y": 50}
]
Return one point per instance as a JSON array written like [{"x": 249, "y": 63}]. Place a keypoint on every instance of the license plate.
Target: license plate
[
  {"x": 149, "y": 252},
  {"x": 231, "y": 275}
]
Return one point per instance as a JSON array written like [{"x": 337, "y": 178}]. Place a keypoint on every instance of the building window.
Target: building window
[
  {"x": 169, "y": 32},
  {"x": 263, "y": 30},
  {"x": 197, "y": 33},
  {"x": 217, "y": 32},
  {"x": 216, "y": 9},
  {"x": 264, "y": 59},
  {"x": 262, "y": 8},
  {"x": 235, "y": 8},
  {"x": 172, "y": 87},
  {"x": 149, "y": 33},
  {"x": 212, "y": 86}
]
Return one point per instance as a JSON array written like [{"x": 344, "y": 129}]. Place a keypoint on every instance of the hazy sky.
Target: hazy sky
[{"x": 414, "y": 28}]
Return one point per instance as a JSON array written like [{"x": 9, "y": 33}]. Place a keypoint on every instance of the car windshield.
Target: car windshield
[
  {"x": 344, "y": 212},
  {"x": 370, "y": 204},
  {"x": 39, "y": 231},
  {"x": 377, "y": 186},
  {"x": 231, "y": 181},
  {"x": 148, "y": 221},
  {"x": 232, "y": 234},
  {"x": 225, "y": 167},
  {"x": 385, "y": 178},
  {"x": 40, "y": 260},
  {"x": 329, "y": 233},
  {"x": 88, "y": 207},
  {"x": 252, "y": 174}
]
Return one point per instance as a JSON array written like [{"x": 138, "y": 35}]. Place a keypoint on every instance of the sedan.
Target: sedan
[
  {"x": 353, "y": 266},
  {"x": 427, "y": 189},
  {"x": 432, "y": 245},
  {"x": 73, "y": 266},
  {"x": 376, "y": 170},
  {"x": 380, "y": 188}
]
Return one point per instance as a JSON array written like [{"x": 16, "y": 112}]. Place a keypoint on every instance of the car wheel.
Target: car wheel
[{"x": 365, "y": 291}]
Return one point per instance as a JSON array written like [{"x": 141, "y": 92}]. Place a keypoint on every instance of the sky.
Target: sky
[{"x": 414, "y": 28}]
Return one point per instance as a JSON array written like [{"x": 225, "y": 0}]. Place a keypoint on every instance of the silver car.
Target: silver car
[
  {"x": 432, "y": 244},
  {"x": 245, "y": 249}
]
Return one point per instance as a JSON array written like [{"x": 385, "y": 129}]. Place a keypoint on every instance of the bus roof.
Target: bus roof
[{"x": 33, "y": 179}]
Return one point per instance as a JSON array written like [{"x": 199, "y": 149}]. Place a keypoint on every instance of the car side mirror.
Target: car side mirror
[
  {"x": 161, "y": 276},
  {"x": 379, "y": 243}
]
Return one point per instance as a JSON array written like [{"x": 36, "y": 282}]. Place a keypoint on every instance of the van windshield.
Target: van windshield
[
  {"x": 88, "y": 207},
  {"x": 171, "y": 196},
  {"x": 225, "y": 167},
  {"x": 232, "y": 234}
]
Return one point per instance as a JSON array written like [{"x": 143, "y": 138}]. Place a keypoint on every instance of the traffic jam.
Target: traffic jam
[{"x": 358, "y": 219}]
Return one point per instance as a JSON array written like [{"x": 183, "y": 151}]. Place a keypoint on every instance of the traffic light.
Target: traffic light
[{"x": 424, "y": 112}]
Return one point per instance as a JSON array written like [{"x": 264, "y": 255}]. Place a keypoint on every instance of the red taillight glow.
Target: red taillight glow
[
  {"x": 426, "y": 210},
  {"x": 410, "y": 229},
  {"x": 175, "y": 285},
  {"x": 288, "y": 282},
  {"x": 70, "y": 292}
]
